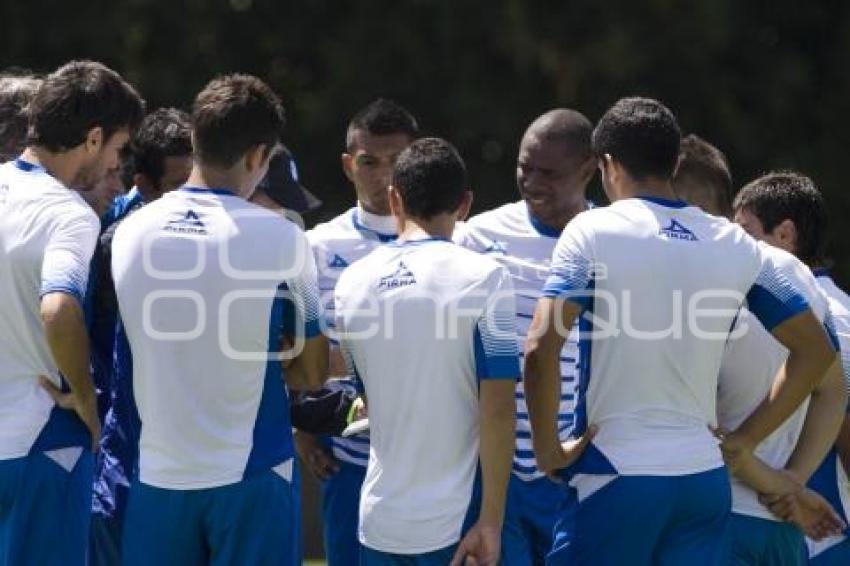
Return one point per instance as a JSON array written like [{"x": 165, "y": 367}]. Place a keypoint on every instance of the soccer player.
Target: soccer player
[
  {"x": 554, "y": 166},
  {"x": 80, "y": 118},
  {"x": 786, "y": 210},
  {"x": 656, "y": 285},
  {"x": 17, "y": 89},
  {"x": 750, "y": 363},
  {"x": 703, "y": 178},
  {"x": 205, "y": 301},
  {"x": 376, "y": 135},
  {"x": 428, "y": 327},
  {"x": 160, "y": 159}
]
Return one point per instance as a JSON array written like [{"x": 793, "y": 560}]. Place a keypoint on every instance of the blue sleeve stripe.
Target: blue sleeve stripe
[
  {"x": 501, "y": 367},
  {"x": 772, "y": 311},
  {"x": 494, "y": 365},
  {"x": 68, "y": 289}
]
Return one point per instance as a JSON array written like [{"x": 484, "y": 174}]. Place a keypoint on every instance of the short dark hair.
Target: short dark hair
[
  {"x": 431, "y": 177},
  {"x": 703, "y": 166},
  {"x": 382, "y": 117},
  {"x": 77, "y": 97},
  {"x": 788, "y": 195},
  {"x": 165, "y": 132},
  {"x": 232, "y": 114},
  {"x": 642, "y": 135},
  {"x": 17, "y": 89}
]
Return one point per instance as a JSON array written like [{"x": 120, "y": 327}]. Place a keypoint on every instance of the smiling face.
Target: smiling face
[
  {"x": 551, "y": 179},
  {"x": 369, "y": 167}
]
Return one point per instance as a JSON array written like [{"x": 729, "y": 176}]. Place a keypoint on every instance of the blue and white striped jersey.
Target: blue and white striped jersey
[
  {"x": 336, "y": 245},
  {"x": 511, "y": 236}
]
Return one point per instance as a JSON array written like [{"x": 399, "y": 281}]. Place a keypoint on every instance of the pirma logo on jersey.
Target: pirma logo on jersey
[
  {"x": 676, "y": 231},
  {"x": 496, "y": 247},
  {"x": 401, "y": 277},
  {"x": 188, "y": 223},
  {"x": 337, "y": 262}
]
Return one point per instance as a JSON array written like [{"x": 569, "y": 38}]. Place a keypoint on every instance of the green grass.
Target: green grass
[{"x": 315, "y": 563}]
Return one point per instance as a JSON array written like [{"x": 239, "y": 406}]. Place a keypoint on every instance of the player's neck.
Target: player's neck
[
  {"x": 558, "y": 220},
  {"x": 383, "y": 223},
  {"x": 62, "y": 166},
  {"x": 440, "y": 226},
  {"x": 649, "y": 187},
  {"x": 212, "y": 178}
]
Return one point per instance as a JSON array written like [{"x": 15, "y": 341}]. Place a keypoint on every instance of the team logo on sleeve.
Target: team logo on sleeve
[
  {"x": 401, "y": 277},
  {"x": 186, "y": 223},
  {"x": 676, "y": 231}
]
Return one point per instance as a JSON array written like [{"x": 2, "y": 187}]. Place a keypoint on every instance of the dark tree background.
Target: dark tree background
[{"x": 768, "y": 82}]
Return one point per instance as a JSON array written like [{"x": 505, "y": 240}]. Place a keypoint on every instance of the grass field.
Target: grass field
[{"x": 314, "y": 563}]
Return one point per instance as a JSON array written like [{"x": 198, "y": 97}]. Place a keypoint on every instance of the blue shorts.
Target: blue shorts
[
  {"x": 648, "y": 520},
  {"x": 45, "y": 506},
  {"x": 340, "y": 514},
  {"x": 762, "y": 542},
  {"x": 254, "y": 521},
  {"x": 531, "y": 511},
  {"x": 372, "y": 557}
]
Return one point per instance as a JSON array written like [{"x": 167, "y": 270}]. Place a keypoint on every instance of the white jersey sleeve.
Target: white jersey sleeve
[
  {"x": 65, "y": 267},
  {"x": 495, "y": 334},
  {"x": 571, "y": 273},
  {"x": 772, "y": 298},
  {"x": 303, "y": 305}
]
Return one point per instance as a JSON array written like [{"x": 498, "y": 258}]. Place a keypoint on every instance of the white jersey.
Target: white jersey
[
  {"x": 511, "y": 236},
  {"x": 421, "y": 322},
  {"x": 204, "y": 299},
  {"x": 336, "y": 245},
  {"x": 839, "y": 308},
  {"x": 830, "y": 480},
  {"x": 750, "y": 364},
  {"x": 661, "y": 283},
  {"x": 47, "y": 237}
]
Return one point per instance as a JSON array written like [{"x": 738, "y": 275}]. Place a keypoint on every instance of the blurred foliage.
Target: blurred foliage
[{"x": 767, "y": 82}]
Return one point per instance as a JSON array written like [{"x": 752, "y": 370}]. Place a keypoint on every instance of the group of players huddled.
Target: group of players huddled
[{"x": 655, "y": 381}]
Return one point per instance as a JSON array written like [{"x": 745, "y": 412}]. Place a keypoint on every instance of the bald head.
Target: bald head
[
  {"x": 564, "y": 127},
  {"x": 554, "y": 166}
]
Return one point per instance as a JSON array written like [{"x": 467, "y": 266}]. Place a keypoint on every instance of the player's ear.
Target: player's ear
[
  {"x": 347, "y": 161},
  {"x": 465, "y": 206},
  {"x": 396, "y": 204},
  {"x": 257, "y": 156},
  {"x": 94, "y": 139},
  {"x": 786, "y": 233}
]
